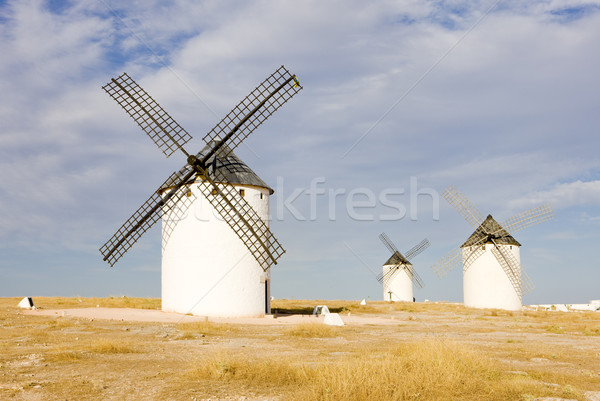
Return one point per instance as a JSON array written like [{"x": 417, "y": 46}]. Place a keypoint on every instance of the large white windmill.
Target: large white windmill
[
  {"x": 398, "y": 287},
  {"x": 216, "y": 243},
  {"x": 492, "y": 272}
]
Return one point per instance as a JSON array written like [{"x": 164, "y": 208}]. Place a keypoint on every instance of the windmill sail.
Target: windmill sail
[
  {"x": 242, "y": 219},
  {"x": 152, "y": 119},
  {"x": 251, "y": 112},
  {"x": 140, "y": 222}
]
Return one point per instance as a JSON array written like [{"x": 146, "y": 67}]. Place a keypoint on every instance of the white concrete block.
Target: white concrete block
[{"x": 333, "y": 319}]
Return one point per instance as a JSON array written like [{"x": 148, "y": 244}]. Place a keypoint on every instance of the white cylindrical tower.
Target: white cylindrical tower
[
  {"x": 397, "y": 285},
  {"x": 206, "y": 268},
  {"x": 485, "y": 283}
]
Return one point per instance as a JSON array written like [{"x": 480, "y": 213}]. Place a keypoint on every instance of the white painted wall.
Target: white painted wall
[
  {"x": 400, "y": 286},
  {"x": 206, "y": 269},
  {"x": 485, "y": 284}
]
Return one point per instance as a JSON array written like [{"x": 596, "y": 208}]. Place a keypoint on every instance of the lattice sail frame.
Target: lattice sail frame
[
  {"x": 516, "y": 275},
  {"x": 242, "y": 219},
  {"x": 463, "y": 206},
  {"x": 528, "y": 218},
  {"x": 139, "y": 222},
  {"x": 174, "y": 211},
  {"x": 388, "y": 243},
  {"x": 152, "y": 119},
  {"x": 417, "y": 249},
  {"x": 276, "y": 86}
]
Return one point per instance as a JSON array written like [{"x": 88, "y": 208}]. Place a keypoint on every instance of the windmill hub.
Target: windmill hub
[
  {"x": 489, "y": 238},
  {"x": 192, "y": 160}
]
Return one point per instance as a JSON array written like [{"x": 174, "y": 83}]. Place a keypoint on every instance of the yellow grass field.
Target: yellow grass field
[{"x": 424, "y": 351}]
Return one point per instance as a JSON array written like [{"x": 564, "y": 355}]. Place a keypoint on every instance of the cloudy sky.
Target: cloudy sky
[{"x": 401, "y": 99}]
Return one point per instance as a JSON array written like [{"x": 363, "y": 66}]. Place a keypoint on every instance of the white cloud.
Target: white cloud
[{"x": 565, "y": 195}]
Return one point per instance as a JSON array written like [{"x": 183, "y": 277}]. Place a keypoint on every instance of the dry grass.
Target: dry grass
[
  {"x": 191, "y": 330},
  {"x": 87, "y": 348},
  {"x": 231, "y": 368},
  {"x": 313, "y": 329},
  {"x": 110, "y": 302},
  {"x": 424, "y": 370},
  {"x": 441, "y": 351},
  {"x": 110, "y": 346}
]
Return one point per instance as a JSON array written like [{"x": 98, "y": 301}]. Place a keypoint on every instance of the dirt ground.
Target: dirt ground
[{"x": 114, "y": 353}]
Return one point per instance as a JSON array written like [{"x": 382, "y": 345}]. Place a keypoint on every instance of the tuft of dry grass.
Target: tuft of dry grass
[
  {"x": 205, "y": 327},
  {"x": 425, "y": 370},
  {"x": 256, "y": 373},
  {"x": 103, "y": 346},
  {"x": 312, "y": 330},
  {"x": 110, "y": 346}
]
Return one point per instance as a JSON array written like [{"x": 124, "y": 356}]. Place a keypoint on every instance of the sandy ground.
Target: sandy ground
[{"x": 148, "y": 315}]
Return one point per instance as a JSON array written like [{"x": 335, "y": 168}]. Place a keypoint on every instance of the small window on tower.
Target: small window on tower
[
  {"x": 261, "y": 195},
  {"x": 242, "y": 192},
  {"x": 483, "y": 247}
]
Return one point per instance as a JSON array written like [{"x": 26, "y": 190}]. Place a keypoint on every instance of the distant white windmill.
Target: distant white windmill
[
  {"x": 492, "y": 272},
  {"x": 398, "y": 287}
]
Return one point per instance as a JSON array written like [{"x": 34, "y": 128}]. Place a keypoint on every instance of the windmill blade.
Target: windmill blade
[
  {"x": 141, "y": 221},
  {"x": 463, "y": 206},
  {"x": 157, "y": 123},
  {"x": 251, "y": 112},
  {"x": 175, "y": 210},
  {"x": 388, "y": 243},
  {"x": 381, "y": 277},
  {"x": 415, "y": 278},
  {"x": 243, "y": 219},
  {"x": 529, "y": 218},
  {"x": 513, "y": 270},
  {"x": 476, "y": 252},
  {"x": 449, "y": 262},
  {"x": 417, "y": 249},
  {"x": 526, "y": 283},
  {"x": 389, "y": 274}
]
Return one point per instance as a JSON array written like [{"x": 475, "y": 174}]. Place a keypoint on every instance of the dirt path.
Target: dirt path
[{"x": 157, "y": 316}]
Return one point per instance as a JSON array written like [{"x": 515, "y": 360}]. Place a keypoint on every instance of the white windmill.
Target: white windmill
[
  {"x": 398, "y": 287},
  {"x": 492, "y": 272},
  {"x": 216, "y": 243}
]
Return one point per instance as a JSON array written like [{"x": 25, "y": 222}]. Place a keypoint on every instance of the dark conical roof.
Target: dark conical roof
[
  {"x": 490, "y": 229},
  {"x": 227, "y": 162},
  {"x": 397, "y": 258}
]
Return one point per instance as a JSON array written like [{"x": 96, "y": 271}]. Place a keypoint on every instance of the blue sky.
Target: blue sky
[{"x": 400, "y": 100}]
